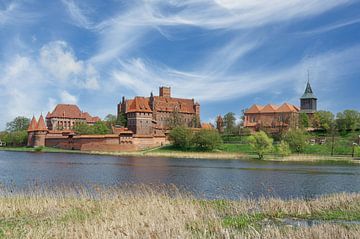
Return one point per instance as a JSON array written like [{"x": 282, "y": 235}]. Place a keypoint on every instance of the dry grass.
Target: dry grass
[{"x": 143, "y": 212}]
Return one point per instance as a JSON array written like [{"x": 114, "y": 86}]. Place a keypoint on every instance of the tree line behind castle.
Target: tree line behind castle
[{"x": 151, "y": 121}]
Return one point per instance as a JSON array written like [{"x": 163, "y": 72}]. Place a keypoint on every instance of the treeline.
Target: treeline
[{"x": 348, "y": 120}]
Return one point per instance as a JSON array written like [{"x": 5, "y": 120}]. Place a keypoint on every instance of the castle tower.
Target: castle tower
[
  {"x": 165, "y": 91},
  {"x": 308, "y": 102},
  {"x": 40, "y": 133},
  {"x": 31, "y": 132}
]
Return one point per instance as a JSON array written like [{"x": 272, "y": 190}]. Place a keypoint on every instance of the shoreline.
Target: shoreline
[{"x": 298, "y": 158}]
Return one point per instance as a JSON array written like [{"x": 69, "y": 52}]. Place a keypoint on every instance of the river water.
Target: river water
[{"x": 230, "y": 179}]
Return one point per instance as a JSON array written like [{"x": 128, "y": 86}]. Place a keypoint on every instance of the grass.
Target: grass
[
  {"x": 39, "y": 149},
  {"x": 165, "y": 212}
]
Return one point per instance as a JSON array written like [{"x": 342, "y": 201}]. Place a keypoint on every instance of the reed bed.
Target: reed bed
[{"x": 166, "y": 212}]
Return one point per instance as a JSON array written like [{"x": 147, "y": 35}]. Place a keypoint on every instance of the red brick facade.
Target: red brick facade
[
  {"x": 151, "y": 115},
  {"x": 65, "y": 116},
  {"x": 271, "y": 118}
]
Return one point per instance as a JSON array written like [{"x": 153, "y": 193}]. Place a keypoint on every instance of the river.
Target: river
[{"x": 215, "y": 179}]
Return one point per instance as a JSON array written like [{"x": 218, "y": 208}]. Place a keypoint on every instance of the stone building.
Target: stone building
[
  {"x": 154, "y": 115},
  {"x": 273, "y": 118},
  {"x": 65, "y": 116}
]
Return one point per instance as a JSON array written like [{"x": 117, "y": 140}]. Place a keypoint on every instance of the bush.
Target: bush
[
  {"x": 261, "y": 143},
  {"x": 39, "y": 149},
  {"x": 296, "y": 140},
  {"x": 100, "y": 127},
  {"x": 207, "y": 139},
  {"x": 181, "y": 137},
  {"x": 17, "y": 138},
  {"x": 283, "y": 149}
]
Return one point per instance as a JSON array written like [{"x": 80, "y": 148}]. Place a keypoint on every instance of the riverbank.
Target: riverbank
[
  {"x": 169, "y": 152},
  {"x": 143, "y": 212}
]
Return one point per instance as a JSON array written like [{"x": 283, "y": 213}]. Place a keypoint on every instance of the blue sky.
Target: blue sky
[{"x": 226, "y": 54}]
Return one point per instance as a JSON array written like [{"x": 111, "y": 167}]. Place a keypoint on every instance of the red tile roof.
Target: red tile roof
[
  {"x": 254, "y": 109},
  {"x": 171, "y": 104},
  {"x": 71, "y": 112},
  {"x": 166, "y": 104},
  {"x": 41, "y": 124},
  {"x": 139, "y": 104},
  {"x": 287, "y": 108},
  {"x": 270, "y": 108},
  {"x": 32, "y": 125}
]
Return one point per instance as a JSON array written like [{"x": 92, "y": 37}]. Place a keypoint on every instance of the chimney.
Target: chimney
[{"x": 165, "y": 91}]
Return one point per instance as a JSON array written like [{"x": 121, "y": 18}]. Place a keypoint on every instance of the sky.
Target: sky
[{"x": 227, "y": 54}]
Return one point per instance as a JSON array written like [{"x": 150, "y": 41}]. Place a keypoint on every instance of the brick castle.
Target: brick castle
[{"x": 148, "y": 122}]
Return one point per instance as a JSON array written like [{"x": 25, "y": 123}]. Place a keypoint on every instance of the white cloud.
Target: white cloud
[
  {"x": 333, "y": 26},
  {"x": 121, "y": 34},
  {"x": 141, "y": 76},
  {"x": 31, "y": 83},
  {"x": 77, "y": 14},
  {"x": 56, "y": 57},
  {"x": 60, "y": 62},
  {"x": 68, "y": 98},
  {"x": 16, "y": 13}
]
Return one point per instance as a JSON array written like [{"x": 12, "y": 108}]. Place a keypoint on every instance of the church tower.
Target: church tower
[{"x": 308, "y": 102}]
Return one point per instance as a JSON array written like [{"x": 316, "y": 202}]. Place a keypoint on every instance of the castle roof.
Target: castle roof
[
  {"x": 32, "y": 125},
  {"x": 139, "y": 104},
  {"x": 41, "y": 124},
  {"x": 170, "y": 104},
  {"x": 71, "y": 112},
  {"x": 270, "y": 108},
  {"x": 254, "y": 109},
  {"x": 308, "y": 94},
  {"x": 165, "y": 104},
  {"x": 287, "y": 108}
]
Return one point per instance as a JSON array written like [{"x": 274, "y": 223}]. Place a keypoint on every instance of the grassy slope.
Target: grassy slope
[{"x": 148, "y": 213}]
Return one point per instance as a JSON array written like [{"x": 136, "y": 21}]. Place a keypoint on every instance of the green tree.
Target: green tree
[
  {"x": 121, "y": 119},
  {"x": 16, "y": 138},
  {"x": 283, "y": 149},
  {"x": 348, "y": 120},
  {"x": 261, "y": 143},
  {"x": 18, "y": 124},
  {"x": 100, "y": 128},
  {"x": 207, "y": 139},
  {"x": 296, "y": 140},
  {"x": 229, "y": 123},
  {"x": 181, "y": 137},
  {"x": 323, "y": 119},
  {"x": 304, "y": 120},
  {"x": 82, "y": 128}
]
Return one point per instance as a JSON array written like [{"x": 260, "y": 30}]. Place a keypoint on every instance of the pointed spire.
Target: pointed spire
[
  {"x": 308, "y": 94},
  {"x": 32, "y": 125},
  {"x": 41, "y": 124}
]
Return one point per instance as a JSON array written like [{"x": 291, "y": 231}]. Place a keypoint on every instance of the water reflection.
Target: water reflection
[{"x": 205, "y": 178}]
